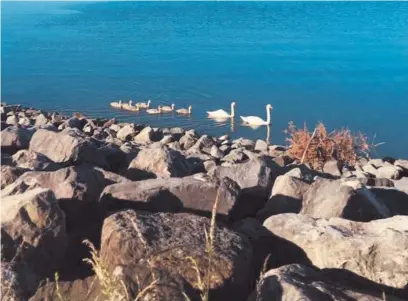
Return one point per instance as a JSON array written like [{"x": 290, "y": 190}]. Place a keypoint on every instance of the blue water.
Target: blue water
[{"x": 345, "y": 64}]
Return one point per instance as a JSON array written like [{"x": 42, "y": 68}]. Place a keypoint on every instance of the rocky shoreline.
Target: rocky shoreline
[{"x": 145, "y": 196}]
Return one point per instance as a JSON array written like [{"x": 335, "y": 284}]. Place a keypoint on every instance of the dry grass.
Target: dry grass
[
  {"x": 318, "y": 147},
  {"x": 204, "y": 283}
]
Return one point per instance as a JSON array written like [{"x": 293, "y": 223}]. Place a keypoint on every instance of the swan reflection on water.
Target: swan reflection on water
[
  {"x": 224, "y": 122},
  {"x": 256, "y": 127}
]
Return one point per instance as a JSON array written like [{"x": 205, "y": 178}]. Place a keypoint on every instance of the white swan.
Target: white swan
[
  {"x": 184, "y": 111},
  {"x": 127, "y": 106},
  {"x": 222, "y": 113},
  {"x": 168, "y": 108},
  {"x": 144, "y": 105},
  {"x": 116, "y": 104},
  {"x": 255, "y": 120},
  {"x": 154, "y": 111},
  {"x": 134, "y": 108}
]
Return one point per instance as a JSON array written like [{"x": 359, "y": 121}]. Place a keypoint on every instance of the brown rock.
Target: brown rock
[
  {"x": 377, "y": 250},
  {"x": 130, "y": 238},
  {"x": 189, "y": 194},
  {"x": 67, "y": 147},
  {"x": 287, "y": 196},
  {"x": 333, "y": 198},
  {"x": 36, "y": 225},
  {"x": 158, "y": 160},
  {"x": 306, "y": 283}
]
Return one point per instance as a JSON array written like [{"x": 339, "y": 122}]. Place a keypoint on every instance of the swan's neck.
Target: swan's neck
[
  {"x": 268, "y": 116},
  {"x": 232, "y": 111},
  {"x": 189, "y": 110}
]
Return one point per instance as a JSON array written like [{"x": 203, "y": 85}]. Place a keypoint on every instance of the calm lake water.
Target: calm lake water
[{"x": 345, "y": 64}]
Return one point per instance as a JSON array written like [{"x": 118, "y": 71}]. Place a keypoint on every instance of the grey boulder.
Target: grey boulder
[{"x": 377, "y": 250}]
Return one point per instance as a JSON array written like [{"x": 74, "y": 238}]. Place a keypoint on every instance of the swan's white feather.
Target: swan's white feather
[
  {"x": 218, "y": 113},
  {"x": 253, "y": 120}
]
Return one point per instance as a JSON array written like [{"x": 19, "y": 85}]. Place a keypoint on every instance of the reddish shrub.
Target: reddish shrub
[{"x": 317, "y": 147}]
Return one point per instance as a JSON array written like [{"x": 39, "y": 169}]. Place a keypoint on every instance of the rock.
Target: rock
[
  {"x": 261, "y": 145},
  {"x": 332, "y": 198},
  {"x": 15, "y": 138},
  {"x": 204, "y": 141},
  {"x": 377, "y": 163},
  {"x": 301, "y": 172},
  {"x": 74, "y": 122},
  {"x": 35, "y": 219},
  {"x": 370, "y": 169},
  {"x": 32, "y": 160},
  {"x": 88, "y": 129},
  {"x": 115, "y": 127},
  {"x": 175, "y": 146},
  {"x": 12, "y": 120},
  {"x": 187, "y": 141},
  {"x": 18, "y": 282},
  {"x": 223, "y": 138},
  {"x": 167, "y": 139},
  {"x": 282, "y": 160},
  {"x": 377, "y": 250},
  {"x": 402, "y": 184},
  {"x": 209, "y": 164},
  {"x": 157, "y": 160},
  {"x": 9, "y": 174},
  {"x": 77, "y": 189},
  {"x": 24, "y": 121},
  {"x": 215, "y": 152},
  {"x": 167, "y": 240},
  {"x": 3, "y": 125},
  {"x": 127, "y": 132},
  {"x": 287, "y": 196},
  {"x": 67, "y": 147},
  {"x": 41, "y": 120},
  {"x": 254, "y": 177},
  {"x": 225, "y": 149},
  {"x": 396, "y": 200},
  {"x": 177, "y": 133},
  {"x": 87, "y": 289},
  {"x": 376, "y": 182},
  {"x": 332, "y": 167},
  {"x": 235, "y": 156},
  {"x": 246, "y": 143},
  {"x": 306, "y": 283},
  {"x": 189, "y": 194},
  {"x": 389, "y": 172},
  {"x": 146, "y": 136},
  {"x": 117, "y": 159},
  {"x": 403, "y": 164}
]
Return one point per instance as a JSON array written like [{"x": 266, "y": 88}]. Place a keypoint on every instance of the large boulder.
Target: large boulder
[
  {"x": 18, "y": 281},
  {"x": 32, "y": 160},
  {"x": 87, "y": 289},
  {"x": 147, "y": 135},
  {"x": 348, "y": 199},
  {"x": 287, "y": 196},
  {"x": 35, "y": 227},
  {"x": 127, "y": 132},
  {"x": 67, "y": 147},
  {"x": 77, "y": 189},
  {"x": 158, "y": 160},
  {"x": 254, "y": 177},
  {"x": 396, "y": 200},
  {"x": 402, "y": 184},
  {"x": 306, "y": 283},
  {"x": 9, "y": 174},
  {"x": 377, "y": 250},
  {"x": 189, "y": 194},
  {"x": 15, "y": 138},
  {"x": 162, "y": 243}
]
